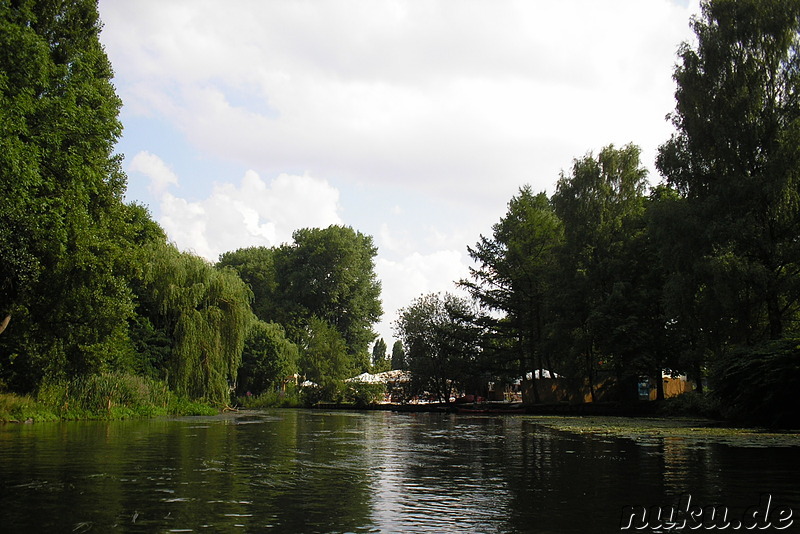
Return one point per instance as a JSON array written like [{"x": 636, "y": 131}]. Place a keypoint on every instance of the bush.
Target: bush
[
  {"x": 358, "y": 394},
  {"x": 184, "y": 406},
  {"x": 105, "y": 395},
  {"x": 20, "y": 409},
  {"x": 273, "y": 399},
  {"x": 312, "y": 395},
  {"x": 690, "y": 404},
  {"x": 757, "y": 385},
  {"x": 362, "y": 394}
]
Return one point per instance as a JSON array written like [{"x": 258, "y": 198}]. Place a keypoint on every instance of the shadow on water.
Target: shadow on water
[{"x": 311, "y": 471}]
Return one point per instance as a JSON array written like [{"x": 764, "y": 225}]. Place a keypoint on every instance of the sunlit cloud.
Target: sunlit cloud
[
  {"x": 252, "y": 213},
  {"x": 160, "y": 176}
]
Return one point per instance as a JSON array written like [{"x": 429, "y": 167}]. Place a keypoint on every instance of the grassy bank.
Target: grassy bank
[{"x": 105, "y": 396}]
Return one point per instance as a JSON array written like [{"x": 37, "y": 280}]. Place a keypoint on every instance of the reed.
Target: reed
[{"x": 115, "y": 396}]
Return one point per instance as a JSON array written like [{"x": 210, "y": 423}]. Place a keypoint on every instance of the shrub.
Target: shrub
[
  {"x": 757, "y": 385},
  {"x": 20, "y": 409},
  {"x": 273, "y": 399},
  {"x": 116, "y": 396},
  {"x": 362, "y": 394},
  {"x": 691, "y": 404}
]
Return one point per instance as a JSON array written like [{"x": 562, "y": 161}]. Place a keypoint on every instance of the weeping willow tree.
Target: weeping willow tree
[{"x": 206, "y": 314}]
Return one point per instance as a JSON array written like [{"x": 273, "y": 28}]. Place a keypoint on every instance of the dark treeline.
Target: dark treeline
[
  {"x": 698, "y": 275},
  {"x": 94, "y": 301}
]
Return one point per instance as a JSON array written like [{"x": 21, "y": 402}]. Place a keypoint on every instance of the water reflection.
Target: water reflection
[{"x": 307, "y": 471}]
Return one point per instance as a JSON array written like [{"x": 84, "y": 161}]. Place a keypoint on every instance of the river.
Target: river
[{"x": 318, "y": 471}]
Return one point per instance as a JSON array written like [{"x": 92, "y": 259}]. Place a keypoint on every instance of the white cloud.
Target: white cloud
[
  {"x": 160, "y": 175},
  {"x": 442, "y": 96},
  {"x": 253, "y": 213},
  {"x": 414, "y": 275}
]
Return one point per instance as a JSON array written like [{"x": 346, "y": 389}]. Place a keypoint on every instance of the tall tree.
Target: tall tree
[
  {"x": 330, "y": 274},
  {"x": 601, "y": 204},
  {"x": 324, "y": 275},
  {"x": 686, "y": 302},
  {"x": 61, "y": 193},
  {"x": 735, "y": 161},
  {"x": 398, "y": 356},
  {"x": 379, "y": 360},
  {"x": 514, "y": 269}
]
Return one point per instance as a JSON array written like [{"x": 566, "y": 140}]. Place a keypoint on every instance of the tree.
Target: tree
[
  {"x": 324, "y": 359},
  {"x": 398, "y": 356},
  {"x": 601, "y": 204},
  {"x": 256, "y": 267},
  {"x": 685, "y": 300},
  {"x": 61, "y": 193},
  {"x": 324, "y": 275},
  {"x": 441, "y": 343},
  {"x": 735, "y": 161},
  {"x": 515, "y": 268},
  {"x": 379, "y": 361},
  {"x": 268, "y": 359},
  {"x": 330, "y": 274},
  {"x": 204, "y": 312}
]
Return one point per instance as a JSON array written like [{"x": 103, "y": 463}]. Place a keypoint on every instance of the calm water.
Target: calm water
[{"x": 314, "y": 471}]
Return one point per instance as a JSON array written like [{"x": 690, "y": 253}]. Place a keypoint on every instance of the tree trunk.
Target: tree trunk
[
  {"x": 698, "y": 377},
  {"x": 659, "y": 385},
  {"x": 774, "y": 316},
  {"x": 590, "y": 374},
  {"x": 659, "y": 376},
  {"x": 535, "y": 389},
  {"x": 5, "y": 322}
]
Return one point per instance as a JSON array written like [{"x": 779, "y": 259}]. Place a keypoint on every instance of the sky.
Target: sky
[{"x": 413, "y": 121}]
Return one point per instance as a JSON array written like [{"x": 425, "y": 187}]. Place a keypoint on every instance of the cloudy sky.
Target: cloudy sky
[{"x": 414, "y": 121}]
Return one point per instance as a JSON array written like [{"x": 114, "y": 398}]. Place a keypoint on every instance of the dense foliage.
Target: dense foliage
[
  {"x": 380, "y": 362},
  {"x": 269, "y": 360},
  {"x": 63, "y": 231},
  {"x": 322, "y": 288},
  {"x": 204, "y": 312}
]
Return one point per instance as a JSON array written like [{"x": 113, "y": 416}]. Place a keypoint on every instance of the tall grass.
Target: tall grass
[
  {"x": 23, "y": 409},
  {"x": 273, "y": 399},
  {"x": 104, "y": 396}
]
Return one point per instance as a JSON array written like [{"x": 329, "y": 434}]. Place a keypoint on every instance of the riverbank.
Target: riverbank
[
  {"x": 637, "y": 409},
  {"x": 106, "y": 396},
  {"x": 24, "y": 409}
]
